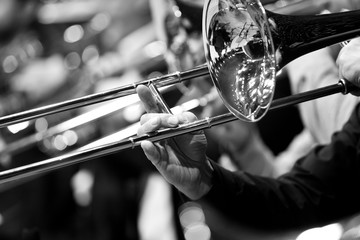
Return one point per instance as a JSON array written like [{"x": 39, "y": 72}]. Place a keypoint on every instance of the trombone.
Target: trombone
[{"x": 245, "y": 46}]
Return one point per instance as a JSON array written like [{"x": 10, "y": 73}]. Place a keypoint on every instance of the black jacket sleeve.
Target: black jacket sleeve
[{"x": 322, "y": 187}]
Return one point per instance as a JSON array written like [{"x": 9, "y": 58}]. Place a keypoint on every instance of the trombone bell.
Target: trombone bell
[{"x": 245, "y": 45}]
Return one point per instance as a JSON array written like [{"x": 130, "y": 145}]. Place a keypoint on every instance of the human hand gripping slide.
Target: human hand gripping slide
[{"x": 181, "y": 160}]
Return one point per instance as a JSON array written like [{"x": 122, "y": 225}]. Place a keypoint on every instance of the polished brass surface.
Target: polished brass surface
[{"x": 245, "y": 45}]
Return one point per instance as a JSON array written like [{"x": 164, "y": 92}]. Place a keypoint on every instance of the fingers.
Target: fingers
[
  {"x": 154, "y": 121},
  {"x": 161, "y": 118},
  {"x": 147, "y": 99},
  {"x": 188, "y": 117},
  {"x": 151, "y": 106},
  {"x": 151, "y": 151},
  {"x": 348, "y": 61}
]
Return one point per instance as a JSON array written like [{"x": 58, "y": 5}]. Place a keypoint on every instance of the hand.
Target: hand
[
  {"x": 181, "y": 160},
  {"x": 349, "y": 63}
]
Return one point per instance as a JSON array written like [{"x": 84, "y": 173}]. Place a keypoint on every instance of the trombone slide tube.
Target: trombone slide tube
[
  {"x": 42, "y": 167},
  {"x": 162, "y": 81},
  {"x": 39, "y": 168}
]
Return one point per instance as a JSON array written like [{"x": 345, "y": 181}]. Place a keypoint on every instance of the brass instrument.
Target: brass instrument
[{"x": 245, "y": 46}]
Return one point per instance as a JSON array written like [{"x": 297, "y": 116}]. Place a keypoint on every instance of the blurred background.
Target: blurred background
[{"x": 55, "y": 50}]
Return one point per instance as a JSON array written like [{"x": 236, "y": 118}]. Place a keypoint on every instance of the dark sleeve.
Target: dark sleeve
[{"x": 323, "y": 186}]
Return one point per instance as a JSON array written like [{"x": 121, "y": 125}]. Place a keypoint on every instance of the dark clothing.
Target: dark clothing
[{"x": 322, "y": 187}]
